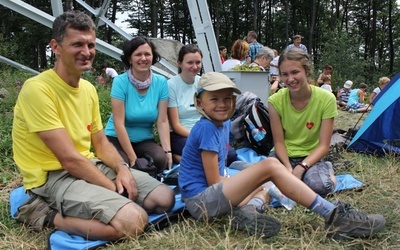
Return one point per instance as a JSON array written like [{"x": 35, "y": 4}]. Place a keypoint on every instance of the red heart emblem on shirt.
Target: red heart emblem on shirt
[
  {"x": 309, "y": 125},
  {"x": 89, "y": 127}
]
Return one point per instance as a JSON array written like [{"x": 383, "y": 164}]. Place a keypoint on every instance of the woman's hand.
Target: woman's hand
[
  {"x": 132, "y": 160},
  {"x": 299, "y": 171},
  {"x": 169, "y": 156}
]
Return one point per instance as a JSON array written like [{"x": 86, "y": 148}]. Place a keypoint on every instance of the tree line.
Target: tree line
[{"x": 357, "y": 37}]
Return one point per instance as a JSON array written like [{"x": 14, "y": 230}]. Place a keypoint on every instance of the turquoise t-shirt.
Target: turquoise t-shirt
[
  {"x": 181, "y": 97},
  {"x": 141, "y": 111},
  {"x": 301, "y": 127},
  {"x": 353, "y": 97}
]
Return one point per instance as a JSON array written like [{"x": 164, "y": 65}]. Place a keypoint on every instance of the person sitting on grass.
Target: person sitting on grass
[
  {"x": 356, "y": 100},
  {"x": 209, "y": 193},
  {"x": 302, "y": 117},
  {"x": 383, "y": 81},
  {"x": 95, "y": 195},
  {"x": 343, "y": 94},
  {"x": 326, "y": 83}
]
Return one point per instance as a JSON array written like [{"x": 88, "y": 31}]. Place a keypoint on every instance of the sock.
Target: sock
[
  {"x": 257, "y": 203},
  {"x": 49, "y": 219},
  {"x": 321, "y": 206}
]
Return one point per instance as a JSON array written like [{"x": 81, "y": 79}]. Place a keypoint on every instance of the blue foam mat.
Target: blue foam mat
[{"x": 59, "y": 240}]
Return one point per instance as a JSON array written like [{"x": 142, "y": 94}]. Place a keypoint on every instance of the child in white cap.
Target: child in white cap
[{"x": 343, "y": 94}]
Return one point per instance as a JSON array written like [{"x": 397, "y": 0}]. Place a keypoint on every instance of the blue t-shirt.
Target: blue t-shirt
[
  {"x": 141, "y": 111},
  {"x": 205, "y": 135}
]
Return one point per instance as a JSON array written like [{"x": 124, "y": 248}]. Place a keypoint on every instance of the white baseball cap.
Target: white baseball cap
[{"x": 348, "y": 84}]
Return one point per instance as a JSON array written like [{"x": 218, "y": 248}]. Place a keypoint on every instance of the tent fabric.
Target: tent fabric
[{"x": 380, "y": 132}]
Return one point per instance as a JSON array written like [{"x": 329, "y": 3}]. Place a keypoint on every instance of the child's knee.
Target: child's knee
[{"x": 271, "y": 164}]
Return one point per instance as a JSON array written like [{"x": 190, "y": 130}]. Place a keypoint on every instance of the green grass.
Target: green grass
[{"x": 301, "y": 229}]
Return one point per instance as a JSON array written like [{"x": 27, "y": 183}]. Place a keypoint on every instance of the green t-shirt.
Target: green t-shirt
[{"x": 301, "y": 127}]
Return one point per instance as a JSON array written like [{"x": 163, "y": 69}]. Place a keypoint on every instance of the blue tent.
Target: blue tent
[{"x": 380, "y": 132}]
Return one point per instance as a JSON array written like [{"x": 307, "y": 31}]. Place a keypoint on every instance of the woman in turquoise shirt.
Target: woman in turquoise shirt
[{"x": 139, "y": 98}]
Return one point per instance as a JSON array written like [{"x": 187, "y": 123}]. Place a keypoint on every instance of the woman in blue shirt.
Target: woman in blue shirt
[{"x": 139, "y": 98}]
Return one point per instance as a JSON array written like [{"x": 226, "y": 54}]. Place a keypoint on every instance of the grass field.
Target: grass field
[{"x": 301, "y": 229}]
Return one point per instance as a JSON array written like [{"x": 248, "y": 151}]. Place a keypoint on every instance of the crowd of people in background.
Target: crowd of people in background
[
  {"x": 257, "y": 58},
  {"x": 254, "y": 54}
]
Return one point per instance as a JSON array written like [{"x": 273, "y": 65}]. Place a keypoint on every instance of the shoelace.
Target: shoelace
[
  {"x": 345, "y": 210},
  {"x": 263, "y": 208}
]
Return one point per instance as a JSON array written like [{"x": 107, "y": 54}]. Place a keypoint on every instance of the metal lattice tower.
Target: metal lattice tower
[{"x": 198, "y": 10}]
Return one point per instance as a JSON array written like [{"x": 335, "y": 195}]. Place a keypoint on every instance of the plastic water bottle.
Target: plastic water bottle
[
  {"x": 257, "y": 134},
  {"x": 226, "y": 173},
  {"x": 274, "y": 192}
]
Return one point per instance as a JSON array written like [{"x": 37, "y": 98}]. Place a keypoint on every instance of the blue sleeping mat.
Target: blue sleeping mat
[{"x": 61, "y": 240}]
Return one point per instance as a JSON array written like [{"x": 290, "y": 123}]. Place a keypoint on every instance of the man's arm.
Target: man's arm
[
  {"x": 71, "y": 160},
  {"x": 109, "y": 155}
]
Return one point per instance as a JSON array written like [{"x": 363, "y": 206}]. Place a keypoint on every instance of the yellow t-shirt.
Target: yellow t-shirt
[{"x": 45, "y": 103}]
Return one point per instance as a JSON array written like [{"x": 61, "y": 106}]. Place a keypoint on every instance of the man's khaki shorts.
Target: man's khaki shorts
[{"x": 77, "y": 198}]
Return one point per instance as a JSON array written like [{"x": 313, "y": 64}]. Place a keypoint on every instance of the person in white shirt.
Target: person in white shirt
[
  {"x": 110, "y": 73},
  {"x": 273, "y": 65},
  {"x": 383, "y": 81},
  {"x": 239, "y": 52}
]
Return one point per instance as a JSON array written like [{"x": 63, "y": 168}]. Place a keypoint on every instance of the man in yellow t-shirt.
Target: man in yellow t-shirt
[{"x": 56, "y": 122}]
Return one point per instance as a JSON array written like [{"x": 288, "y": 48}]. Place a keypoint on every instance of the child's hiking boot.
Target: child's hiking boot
[
  {"x": 342, "y": 223},
  {"x": 247, "y": 219},
  {"x": 36, "y": 213}
]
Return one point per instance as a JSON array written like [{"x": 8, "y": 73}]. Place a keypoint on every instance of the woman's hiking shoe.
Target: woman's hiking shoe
[
  {"x": 36, "y": 213},
  {"x": 343, "y": 223},
  {"x": 248, "y": 219}
]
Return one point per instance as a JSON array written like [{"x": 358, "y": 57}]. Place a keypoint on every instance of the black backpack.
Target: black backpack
[{"x": 258, "y": 118}]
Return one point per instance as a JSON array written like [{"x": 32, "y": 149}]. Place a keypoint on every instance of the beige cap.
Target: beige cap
[
  {"x": 348, "y": 84},
  {"x": 213, "y": 81}
]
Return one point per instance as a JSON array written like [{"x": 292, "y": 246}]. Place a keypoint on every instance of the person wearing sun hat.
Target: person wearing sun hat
[
  {"x": 209, "y": 193},
  {"x": 343, "y": 94},
  {"x": 296, "y": 39}
]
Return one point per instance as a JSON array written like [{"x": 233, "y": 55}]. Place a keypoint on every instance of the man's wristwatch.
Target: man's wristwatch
[
  {"x": 304, "y": 165},
  {"x": 123, "y": 163}
]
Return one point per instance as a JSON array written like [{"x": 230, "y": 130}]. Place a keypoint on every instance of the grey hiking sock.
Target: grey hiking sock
[
  {"x": 321, "y": 206},
  {"x": 258, "y": 203}
]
